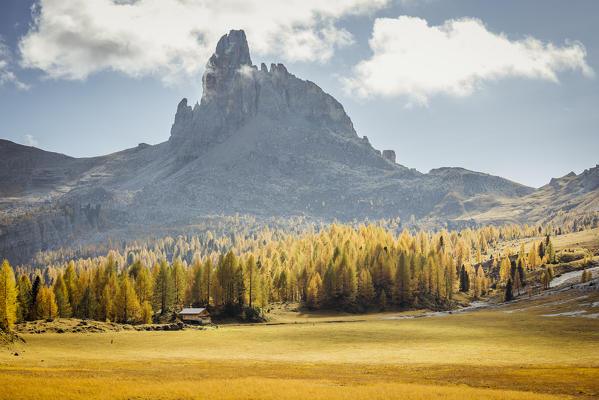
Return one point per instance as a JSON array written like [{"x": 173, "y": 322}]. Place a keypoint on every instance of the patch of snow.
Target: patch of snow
[
  {"x": 484, "y": 305},
  {"x": 547, "y": 304},
  {"x": 568, "y": 300},
  {"x": 594, "y": 316},
  {"x": 573, "y": 276},
  {"x": 565, "y": 314},
  {"x": 477, "y": 304}
]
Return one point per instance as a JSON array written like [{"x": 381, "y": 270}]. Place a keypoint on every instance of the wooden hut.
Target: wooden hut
[{"x": 197, "y": 315}]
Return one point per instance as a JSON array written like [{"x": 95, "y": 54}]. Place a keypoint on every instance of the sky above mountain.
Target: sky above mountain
[{"x": 509, "y": 88}]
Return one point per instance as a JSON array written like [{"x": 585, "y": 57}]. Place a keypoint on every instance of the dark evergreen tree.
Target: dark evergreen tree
[
  {"x": 464, "y": 280},
  {"x": 87, "y": 306},
  {"x": 509, "y": 295},
  {"x": 521, "y": 273},
  {"x": 35, "y": 288},
  {"x": 541, "y": 250}
]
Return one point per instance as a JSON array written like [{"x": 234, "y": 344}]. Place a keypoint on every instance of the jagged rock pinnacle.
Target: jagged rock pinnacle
[
  {"x": 235, "y": 93},
  {"x": 232, "y": 52},
  {"x": 232, "y": 49}
]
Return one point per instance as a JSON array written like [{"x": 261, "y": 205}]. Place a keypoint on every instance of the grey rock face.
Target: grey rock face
[
  {"x": 389, "y": 155},
  {"x": 236, "y": 92},
  {"x": 590, "y": 178}
]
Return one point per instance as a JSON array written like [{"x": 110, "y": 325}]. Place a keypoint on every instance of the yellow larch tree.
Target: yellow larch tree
[
  {"x": 46, "y": 304},
  {"x": 8, "y": 297},
  {"x": 126, "y": 305}
]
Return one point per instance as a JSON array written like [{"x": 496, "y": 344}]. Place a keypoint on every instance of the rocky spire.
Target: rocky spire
[
  {"x": 231, "y": 55},
  {"x": 183, "y": 121},
  {"x": 235, "y": 92}
]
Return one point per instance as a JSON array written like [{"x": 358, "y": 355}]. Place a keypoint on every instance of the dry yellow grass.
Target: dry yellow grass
[
  {"x": 480, "y": 355},
  {"x": 254, "y": 388},
  {"x": 584, "y": 239},
  {"x": 588, "y": 239}
]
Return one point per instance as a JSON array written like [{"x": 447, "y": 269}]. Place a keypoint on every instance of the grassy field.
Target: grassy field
[
  {"x": 490, "y": 354},
  {"x": 588, "y": 239}
]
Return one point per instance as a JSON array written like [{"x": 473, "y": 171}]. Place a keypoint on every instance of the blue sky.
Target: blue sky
[{"x": 509, "y": 88}]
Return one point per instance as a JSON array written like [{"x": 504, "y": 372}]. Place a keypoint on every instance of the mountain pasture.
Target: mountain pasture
[{"x": 510, "y": 352}]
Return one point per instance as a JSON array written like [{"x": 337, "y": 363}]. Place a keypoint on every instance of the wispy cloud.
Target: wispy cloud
[
  {"x": 30, "y": 140},
  {"x": 7, "y": 76},
  {"x": 72, "y": 39},
  {"x": 415, "y": 60}
]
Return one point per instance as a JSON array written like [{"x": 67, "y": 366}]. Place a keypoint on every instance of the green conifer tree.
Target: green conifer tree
[
  {"x": 24, "y": 299},
  {"x": 509, "y": 295},
  {"x": 87, "y": 305}
]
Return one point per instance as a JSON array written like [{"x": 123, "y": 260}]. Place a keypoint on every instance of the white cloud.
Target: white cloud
[
  {"x": 30, "y": 140},
  {"x": 6, "y": 73},
  {"x": 72, "y": 39},
  {"x": 412, "y": 59}
]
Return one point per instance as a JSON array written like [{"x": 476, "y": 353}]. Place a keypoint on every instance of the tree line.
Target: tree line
[{"x": 340, "y": 267}]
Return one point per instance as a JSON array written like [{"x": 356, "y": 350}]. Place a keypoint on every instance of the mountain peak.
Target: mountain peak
[
  {"x": 237, "y": 93},
  {"x": 232, "y": 48},
  {"x": 232, "y": 53}
]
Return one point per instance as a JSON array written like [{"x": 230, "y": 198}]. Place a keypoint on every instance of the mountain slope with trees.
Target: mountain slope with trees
[{"x": 261, "y": 142}]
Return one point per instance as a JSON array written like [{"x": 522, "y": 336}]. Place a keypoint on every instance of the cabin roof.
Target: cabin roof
[{"x": 192, "y": 311}]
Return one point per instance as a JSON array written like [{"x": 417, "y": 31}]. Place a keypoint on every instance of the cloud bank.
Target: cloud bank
[
  {"x": 415, "y": 60},
  {"x": 171, "y": 39}
]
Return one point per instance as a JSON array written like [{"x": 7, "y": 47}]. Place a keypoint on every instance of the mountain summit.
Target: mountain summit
[
  {"x": 260, "y": 142},
  {"x": 236, "y": 92}
]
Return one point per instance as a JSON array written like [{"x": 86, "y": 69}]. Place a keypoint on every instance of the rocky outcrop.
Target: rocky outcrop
[
  {"x": 389, "y": 155},
  {"x": 590, "y": 178}
]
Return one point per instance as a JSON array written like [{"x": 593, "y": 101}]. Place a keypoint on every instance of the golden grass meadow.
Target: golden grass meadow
[{"x": 490, "y": 354}]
